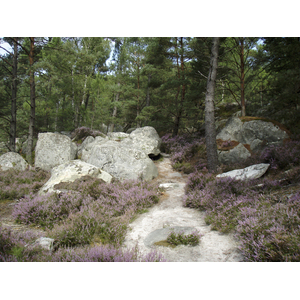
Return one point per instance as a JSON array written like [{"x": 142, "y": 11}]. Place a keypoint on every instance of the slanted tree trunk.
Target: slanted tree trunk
[
  {"x": 13, "y": 122},
  {"x": 210, "y": 130},
  {"x": 32, "y": 103}
]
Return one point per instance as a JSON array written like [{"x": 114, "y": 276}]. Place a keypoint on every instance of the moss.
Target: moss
[
  {"x": 164, "y": 243},
  {"x": 226, "y": 145},
  {"x": 282, "y": 127}
]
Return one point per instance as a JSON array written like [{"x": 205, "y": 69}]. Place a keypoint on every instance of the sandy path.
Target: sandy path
[{"x": 154, "y": 226}]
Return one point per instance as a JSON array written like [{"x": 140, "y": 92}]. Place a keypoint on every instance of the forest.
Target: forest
[
  {"x": 183, "y": 87},
  {"x": 55, "y": 84}
]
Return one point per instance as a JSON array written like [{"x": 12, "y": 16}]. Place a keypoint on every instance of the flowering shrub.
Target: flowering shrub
[
  {"x": 96, "y": 210},
  {"x": 267, "y": 227},
  {"x": 15, "y": 184},
  {"x": 184, "y": 239},
  {"x": 16, "y": 247},
  {"x": 271, "y": 233},
  {"x": 103, "y": 253},
  {"x": 182, "y": 149},
  {"x": 282, "y": 156}
]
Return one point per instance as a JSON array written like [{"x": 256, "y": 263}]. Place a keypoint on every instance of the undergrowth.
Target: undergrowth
[
  {"x": 265, "y": 221},
  {"x": 94, "y": 211},
  {"x": 15, "y": 184}
]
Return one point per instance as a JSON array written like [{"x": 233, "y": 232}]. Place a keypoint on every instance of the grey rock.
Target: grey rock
[
  {"x": 87, "y": 140},
  {"x": 251, "y": 172},
  {"x": 234, "y": 155},
  {"x": 70, "y": 171},
  {"x": 53, "y": 149},
  {"x": 12, "y": 160},
  {"x": 256, "y": 132},
  {"x": 145, "y": 139},
  {"x": 117, "y": 136},
  {"x": 232, "y": 130},
  {"x": 168, "y": 186},
  {"x": 122, "y": 162},
  {"x": 45, "y": 243},
  {"x": 86, "y": 150}
]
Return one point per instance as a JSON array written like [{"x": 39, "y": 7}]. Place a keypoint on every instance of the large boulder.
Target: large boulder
[
  {"x": 145, "y": 139},
  {"x": 53, "y": 149},
  {"x": 121, "y": 161},
  {"x": 86, "y": 149},
  {"x": 234, "y": 155},
  {"x": 82, "y": 147},
  {"x": 71, "y": 171},
  {"x": 252, "y": 172},
  {"x": 12, "y": 160},
  {"x": 250, "y": 134},
  {"x": 258, "y": 133},
  {"x": 253, "y": 131}
]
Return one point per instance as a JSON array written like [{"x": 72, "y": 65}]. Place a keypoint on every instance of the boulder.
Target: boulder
[
  {"x": 255, "y": 132},
  {"x": 258, "y": 133},
  {"x": 231, "y": 130},
  {"x": 251, "y": 134},
  {"x": 145, "y": 139},
  {"x": 71, "y": 171},
  {"x": 13, "y": 160},
  {"x": 53, "y": 149},
  {"x": 121, "y": 161},
  {"x": 86, "y": 150},
  {"x": 237, "y": 154},
  {"x": 87, "y": 140},
  {"x": 117, "y": 136},
  {"x": 252, "y": 172},
  {"x": 44, "y": 242}
]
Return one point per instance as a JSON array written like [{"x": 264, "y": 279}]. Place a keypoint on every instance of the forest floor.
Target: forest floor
[{"x": 155, "y": 225}]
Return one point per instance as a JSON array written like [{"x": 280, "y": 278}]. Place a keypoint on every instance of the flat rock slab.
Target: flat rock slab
[
  {"x": 249, "y": 173},
  {"x": 168, "y": 186},
  {"x": 162, "y": 234}
]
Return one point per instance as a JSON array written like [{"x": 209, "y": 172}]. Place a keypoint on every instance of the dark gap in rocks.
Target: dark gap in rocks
[{"x": 155, "y": 157}]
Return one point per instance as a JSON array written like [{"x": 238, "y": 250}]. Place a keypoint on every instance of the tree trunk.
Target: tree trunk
[
  {"x": 13, "y": 122},
  {"x": 148, "y": 91},
  {"x": 115, "y": 110},
  {"x": 210, "y": 130},
  {"x": 243, "y": 105},
  {"x": 32, "y": 103},
  {"x": 178, "y": 112},
  {"x": 138, "y": 108}
]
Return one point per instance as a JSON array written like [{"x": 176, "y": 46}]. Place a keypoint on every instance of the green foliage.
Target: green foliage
[{"x": 191, "y": 239}]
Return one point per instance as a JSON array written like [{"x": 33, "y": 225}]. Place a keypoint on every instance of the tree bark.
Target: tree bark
[
  {"x": 243, "y": 105},
  {"x": 115, "y": 110},
  {"x": 180, "y": 108},
  {"x": 13, "y": 122},
  {"x": 32, "y": 103},
  {"x": 210, "y": 130},
  {"x": 148, "y": 90}
]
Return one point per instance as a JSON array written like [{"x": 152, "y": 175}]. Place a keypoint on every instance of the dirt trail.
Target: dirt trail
[{"x": 169, "y": 213}]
